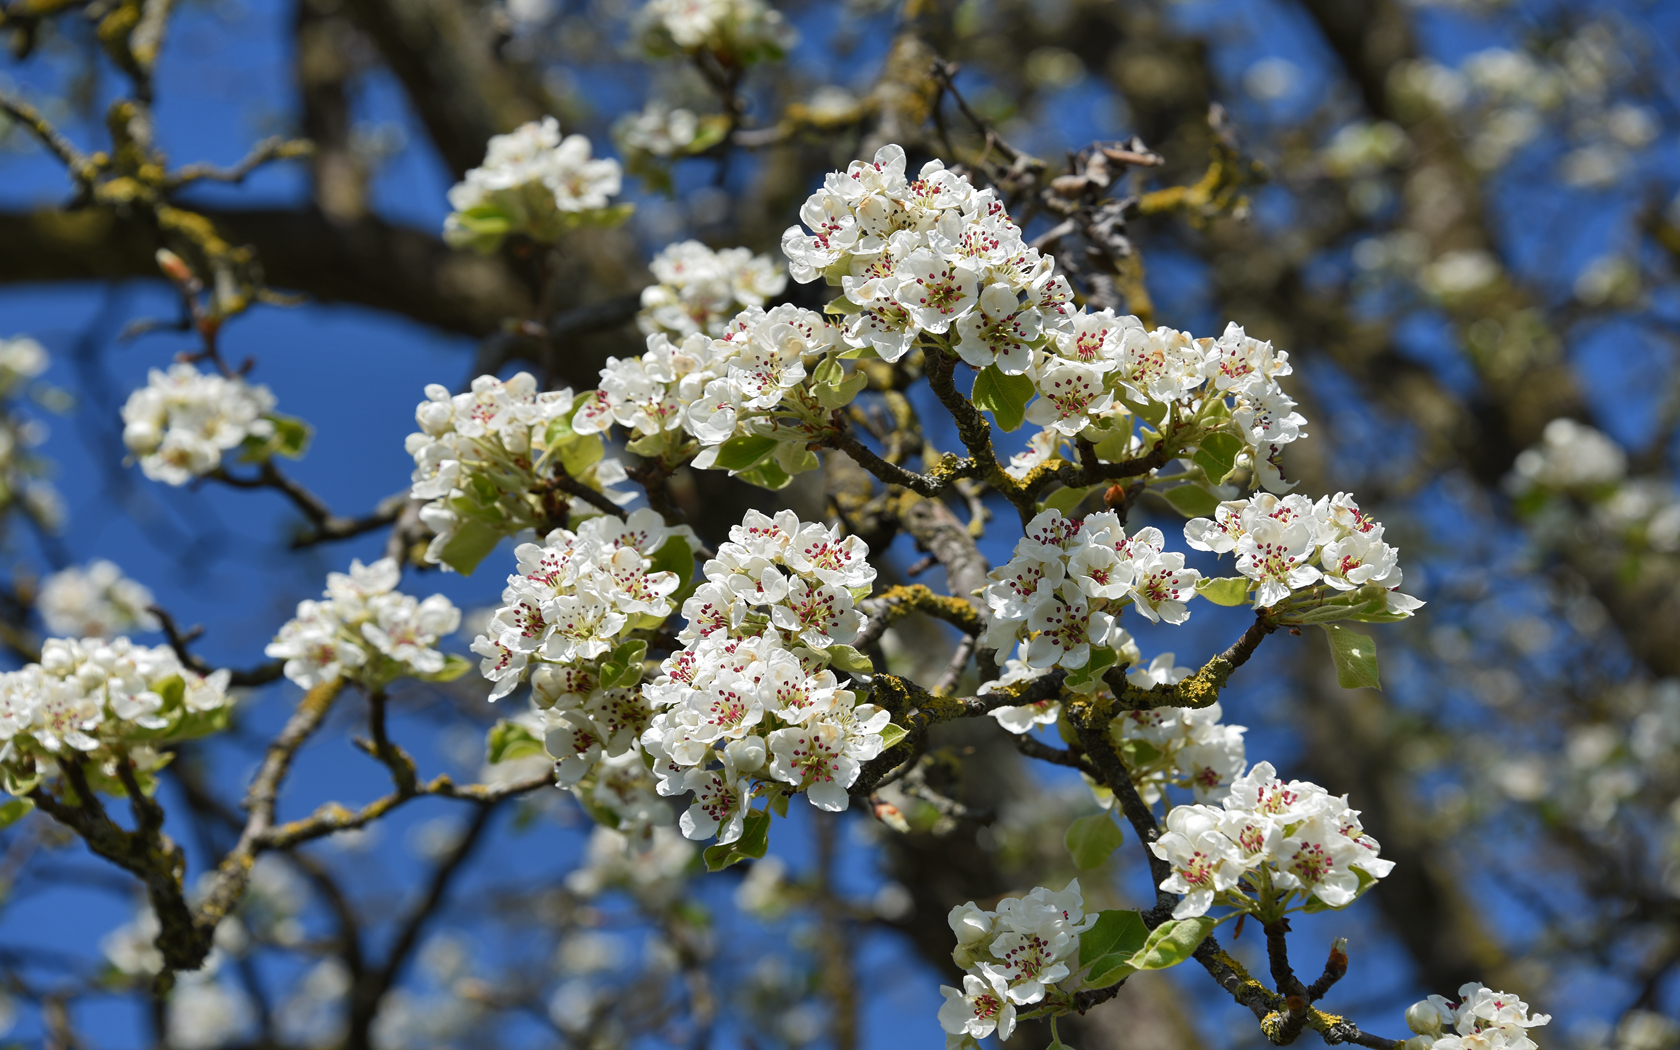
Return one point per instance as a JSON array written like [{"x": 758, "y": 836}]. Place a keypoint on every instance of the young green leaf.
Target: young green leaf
[
  {"x": 891, "y": 734},
  {"x": 1117, "y": 932},
  {"x": 1224, "y": 590},
  {"x": 1172, "y": 942},
  {"x": 15, "y": 810},
  {"x": 1066, "y": 499},
  {"x": 1192, "y": 500},
  {"x": 510, "y": 740},
  {"x": 453, "y": 667},
  {"x": 1004, "y": 396},
  {"x": 1218, "y": 455},
  {"x": 752, "y": 845},
  {"x": 744, "y": 451},
  {"x": 471, "y": 542},
  {"x": 1086, "y": 678},
  {"x": 1091, "y": 839},
  {"x": 845, "y": 658},
  {"x": 1355, "y": 657},
  {"x": 675, "y": 555}
]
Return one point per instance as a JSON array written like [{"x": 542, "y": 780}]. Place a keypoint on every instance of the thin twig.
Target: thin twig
[{"x": 270, "y": 149}]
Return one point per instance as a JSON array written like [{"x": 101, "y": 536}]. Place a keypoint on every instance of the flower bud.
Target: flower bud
[{"x": 1424, "y": 1019}]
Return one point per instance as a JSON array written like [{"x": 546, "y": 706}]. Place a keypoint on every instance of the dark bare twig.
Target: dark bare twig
[
  {"x": 270, "y": 149},
  {"x": 366, "y": 997},
  {"x": 1032, "y": 747},
  {"x": 178, "y": 639}
]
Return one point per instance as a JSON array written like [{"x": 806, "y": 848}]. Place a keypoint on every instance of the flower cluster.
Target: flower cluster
[
  {"x": 102, "y": 699},
  {"x": 933, "y": 256},
  {"x": 566, "y": 620},
  {"x": 699, "y": 289},
  {"x": 21, "y": 359},
  {"x": 659, "y": 134},
  {"x": 1010, "y": 957},
  {"x": 658, "y": 130},
  {"x": 1069, "y": 580},
  {"x": 750, "y": 698},
  {"x": 575, "y": 597},
  {"x": 94, "y": 602},
  {"x": 735, "y": 32},
  {"x": 1273, "y": 846},
  {"x": 182, "y": 421},
  {"x": 752, "y": 400},
  {"x": 1482, "y": 1019},
  {"x": 535, "y": 183},
  {"x": 366, "y": 632},
  {"x": 654, "y": 876},
  {"x": 1181, "y": 747},
  {"x": 1570, "y": 457},
  {"x": 1101, "y": 368},
  {"x": 930, "y": 254},
  {"x": 487, "y": 460},
  {"x": 1283, "y": 544}
]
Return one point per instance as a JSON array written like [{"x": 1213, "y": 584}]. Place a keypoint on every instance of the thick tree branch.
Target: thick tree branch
[{"x": 367, "y": 262}]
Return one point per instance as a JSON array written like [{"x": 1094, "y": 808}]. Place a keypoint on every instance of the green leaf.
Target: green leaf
[
  {"x": 1107, "y": 948},
  {"x": 711, "y": 132},
  {"x": 778, "y": 797},
  {"x": 1151, "y": 411},
  {"x": 603, "y": 218},
  {"x": 1086, "y": 678},
  {"x": 1004, "y": 396},
  {"x": 195, "y": 724},
  {"x": 1224, "y": 590},
  {"x": 453, "y": 667},
  {"x": 768, "y": 475},
  {"x": 290, "y": 438},
  {"x": 622, "y": 668},
  {"x": 580, "y": 452},
  {"x": 839, "y": 395},
  {"x": 560, "y": 428},
  {"x": 1091, "y": 839},
  {"x": 852, "y": 661},
  {"x": 1117, "y": 932},
  {"x": 1355, "y": 657},
  {"x": 891, "y": 734},
  {"x": 1172, "y": 942},
  {"x": 744, "y": 451},
  {"x": 1218, "y": 455},
  {"x": 675, "y": 555},
  {"x": 1192, "y": 501},
  {"x": 15, "y": 810},
  {"x": 510, "y": 740},
  {"x": 471, "y": 542},
  {"x": 753, "y": 843}
]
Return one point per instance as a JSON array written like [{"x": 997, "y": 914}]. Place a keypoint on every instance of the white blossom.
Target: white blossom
[
  {"x": 95, "y": 601},
  {"x": 87, "y": 696},
  {"x": 483, "y": 458},
  {"x": 1481, "y": 1019},
  {"x": 699, "y": 290},
  {"x": 364, "y": 631},
  {"x": 746, "y": 30},
  {"x": 749, "y": 705},
  {"x": 1310, "y": 843},
  {"x": 181, "y": 423},
  {"x": 1012, "y": 956},
  {"x": 533, "y": 182}
]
